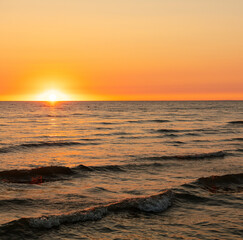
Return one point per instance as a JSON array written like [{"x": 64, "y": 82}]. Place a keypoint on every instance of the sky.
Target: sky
[{"x": 121, "y": 50}]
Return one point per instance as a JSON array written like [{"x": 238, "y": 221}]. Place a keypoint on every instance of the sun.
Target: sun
[{"x": 53, "y": 96}]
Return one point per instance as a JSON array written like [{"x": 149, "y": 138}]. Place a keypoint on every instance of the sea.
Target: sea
[{"x": 121, "y": 170}]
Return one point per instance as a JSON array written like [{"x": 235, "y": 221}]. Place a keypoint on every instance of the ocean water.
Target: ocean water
[{"x": 121, "y": 170}]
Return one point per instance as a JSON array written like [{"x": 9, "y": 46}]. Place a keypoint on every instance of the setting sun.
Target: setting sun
[{"x": 53, "y": 96}]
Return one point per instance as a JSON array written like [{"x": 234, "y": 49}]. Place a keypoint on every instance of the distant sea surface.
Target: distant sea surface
[{"x": 121, "y": 170}]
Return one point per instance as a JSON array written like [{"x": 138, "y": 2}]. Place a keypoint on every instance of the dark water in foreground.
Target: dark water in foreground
[{"x": 121, "y": 170}]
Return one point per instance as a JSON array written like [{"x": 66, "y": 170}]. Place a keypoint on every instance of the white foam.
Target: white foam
[
  {"x": 54, "y": 221},
  {"x": 155, "y": 203}
]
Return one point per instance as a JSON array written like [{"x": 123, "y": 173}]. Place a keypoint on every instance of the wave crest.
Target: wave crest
[
  {"x": 224, "y": 183},
  {"x": 167, "y": 130},
  {"x": 236, "y": 122},
  {"x": 154, "y": 203},
  {"x": 42, "y": 144},
  {"x": 222, "y": 180},
  {"x": 35, "y": 175},
  {"x": 197, "y": 156}
]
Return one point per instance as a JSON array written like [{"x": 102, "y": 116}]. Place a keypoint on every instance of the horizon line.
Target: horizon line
[{"x": 198, "y": 100}]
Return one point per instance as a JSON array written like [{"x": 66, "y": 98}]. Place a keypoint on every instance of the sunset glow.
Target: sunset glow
[
  {"x": 53, "y": 96},
  {"x": 122, "y": 50}
]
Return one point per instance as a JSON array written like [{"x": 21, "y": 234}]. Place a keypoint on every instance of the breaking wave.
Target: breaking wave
[{"x": 153, "y": 204}]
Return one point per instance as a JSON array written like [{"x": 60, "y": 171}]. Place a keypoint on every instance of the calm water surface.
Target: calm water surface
[{"x": 121, "y": 170}]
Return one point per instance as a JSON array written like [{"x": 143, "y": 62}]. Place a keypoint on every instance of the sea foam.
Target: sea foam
[{"x": 154, "y": 203}]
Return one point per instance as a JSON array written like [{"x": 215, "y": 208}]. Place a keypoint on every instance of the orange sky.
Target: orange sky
[{"x": 122, "y": 50}]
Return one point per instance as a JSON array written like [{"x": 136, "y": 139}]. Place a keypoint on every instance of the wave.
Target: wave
[
  {"x": 171, "y": 135},
  {"x": 236, "y": 122},
  {"x": 188, "y": 132},
  {"x": 192, "y": 134},
  {"x": 99, "y": 190},
  {"x": 159, "y": 120},
  {"x": 131, "y": 137},
  {"x": 26, "y": 227},
  {"x": 35, "y": 175},
  {"x": 113, "y": 168},
  {"x": 45, "y": 116},
  {"x": 120, "y": 133},
  {"x": 153, "y": 120},
  {"x": 237, "y": 139},
  {"x": 120, "y": 168},
  {"x": 104, "y": 128},
  {"x": 16, "y": 201},
  {"x": 229, "y": 183},
  {"x": 221, "y": 180},
  {"x": 55, "y": 116},
  {"x": 56, "y": 173},
  {"x": 198, "y": 156},
  {"x": 41, "y": 144},
  {"x": 153, "y": 204},
  {"x": 136, "y": 121},
  {"x": 167, "y": 131},
  {"x": 107, "y": 123},
  {"x": 176, "y": 143},
  {"x": 233, "y": 139},
  {"x": 77, "y": 114},
  {"x": 185, "y": 195},
  {"x": 53, "y": 173}
]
